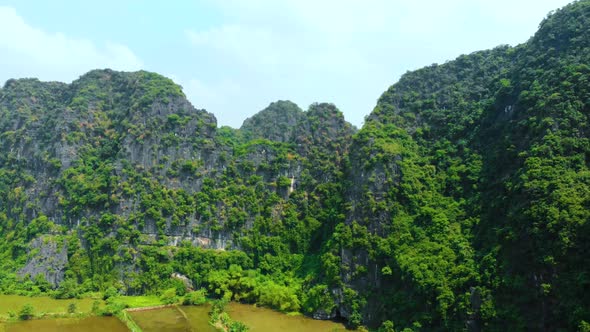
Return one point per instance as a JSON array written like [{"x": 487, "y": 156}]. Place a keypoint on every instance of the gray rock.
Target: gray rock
[{"x": 48, "y": 258}]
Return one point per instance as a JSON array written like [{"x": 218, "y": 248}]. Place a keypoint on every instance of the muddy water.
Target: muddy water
[
  {"x": 262, "y": 320},
  {"x": 181, "y": 319},
  {"x": 174, "y": 319},
  {"x": 196, "y": 318},
  {"x": 88, "y": 324},
  {"x": 165, "y": 320}
]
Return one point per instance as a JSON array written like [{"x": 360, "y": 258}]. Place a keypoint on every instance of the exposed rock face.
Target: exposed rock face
[
  {"x": 322, "y": 315},
  {"x": 461, "y": 203},
  {"x": 188, "y": 284},
  {"x": 319, "y": 127},
  {"x": 450, "y": 149},
  {"x": 140, "y": 120},
  {"x": 278, "y": 122},
  {"x": 48, "y": 258},
  {"x": 118, "y": 150}
]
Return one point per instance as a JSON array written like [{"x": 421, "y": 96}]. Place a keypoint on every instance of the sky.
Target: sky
[{"x": 234, "y": 57}]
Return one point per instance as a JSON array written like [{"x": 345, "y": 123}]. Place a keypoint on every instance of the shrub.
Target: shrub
[
  {"x": 110, "y": 293},
  {"x": 26, "y": 312},
  {"x": 283, "y": 182},
  {"x": 112, "y": 308},
  {"x": 195, "y": 298},
  {"x": 387, "y": 326},
  {"x": 169, "y": 296},
  {"x": 68, "y": 289},
  {"x": 95, "y": 307},
  {"x": 236, "y": 326}
]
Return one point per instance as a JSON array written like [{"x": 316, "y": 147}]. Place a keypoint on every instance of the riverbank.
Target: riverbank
[
  {"x": 21, "y": 310},
  {"x": 125, "y": 317},
  {"x": 59, "y": 314},
  {"x": 147, "y": 314}
]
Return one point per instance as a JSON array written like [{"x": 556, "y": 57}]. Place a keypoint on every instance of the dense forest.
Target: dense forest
[{"x": 463, "y": 203}]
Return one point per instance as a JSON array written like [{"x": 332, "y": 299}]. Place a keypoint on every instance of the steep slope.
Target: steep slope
[
  {"x": 277, "y": 122},
  {"x": 82, "y": 145},
  {"x": 536, "y": 209},
  {"x": 469, "y": 189},
  {"x": 119, "y": 179},
  {"x": 462, "y": 203}
]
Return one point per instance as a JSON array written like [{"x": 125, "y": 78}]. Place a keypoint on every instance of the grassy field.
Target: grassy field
[
  {"x": 46, "y": 305},
  {"x": 140, "y": 301},
  {"x": 258, "y": 319},
  {"x": 85, "y": 324},
  {"x": 12, "y": 304},
  {"x": 42, "y": 304}
]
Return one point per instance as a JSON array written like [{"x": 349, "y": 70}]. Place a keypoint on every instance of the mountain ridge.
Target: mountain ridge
[{"x": 461, "y": 204}]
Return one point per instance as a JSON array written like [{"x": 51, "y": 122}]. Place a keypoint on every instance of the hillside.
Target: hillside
[
  {"x": 475, "y": 190},
  {"x": 461, "y": 204}
]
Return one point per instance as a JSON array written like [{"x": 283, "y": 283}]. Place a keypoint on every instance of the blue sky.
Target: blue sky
[{"x": 234, "y": 57}]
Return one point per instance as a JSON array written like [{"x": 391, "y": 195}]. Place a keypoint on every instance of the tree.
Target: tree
[
  {"x": 26, "y": 312},
  {"x": 195, "y": 297},
  {"x": 68, "y": 289},
  {"x": 72, "y": 308},
  {"x": 387, "y": 326},
  {"x": 111, "y": 292},
  {"x": 169, "y": 296},
  {"x": 95, "y": 307}
]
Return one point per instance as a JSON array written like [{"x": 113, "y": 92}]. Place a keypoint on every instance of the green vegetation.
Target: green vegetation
[
  {"x": 169, "y": 296},
  {"x": 42, "y": 304},
  {"x": 140, "y": 301},
  {"x": 128, "y": 321},
  {"x": 27, "y": 312},
  {"x": 221, "y": 320},
  {"x": 461, "y": 203},
  {"x": 88, "y": 324},
  {"x": 465, "y": 208},
  {"x": 72, "y": 308},
  {"x": 195, "y": 297}
]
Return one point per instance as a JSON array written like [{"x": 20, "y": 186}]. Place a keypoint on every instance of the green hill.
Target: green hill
[{"x": 461, "y": 204}]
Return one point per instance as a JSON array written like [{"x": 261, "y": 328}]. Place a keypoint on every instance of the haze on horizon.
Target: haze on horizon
[{"x": 235, "y": 57}]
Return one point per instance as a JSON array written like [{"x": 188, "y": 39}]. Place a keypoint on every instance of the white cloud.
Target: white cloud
[{"x": 31, "y": 52}]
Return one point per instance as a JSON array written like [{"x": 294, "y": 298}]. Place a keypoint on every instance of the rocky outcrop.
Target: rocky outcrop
[
  {"x": 188, "y": 284},
  {"x": 103, "y": 149},
  {"x": 461, "y": 203},
  {"x": 278, "y": 122},
  {"x": 47, "y": 258}
]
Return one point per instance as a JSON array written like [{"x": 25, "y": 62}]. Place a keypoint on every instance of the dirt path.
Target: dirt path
[{"x": 150, "y": 308}]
